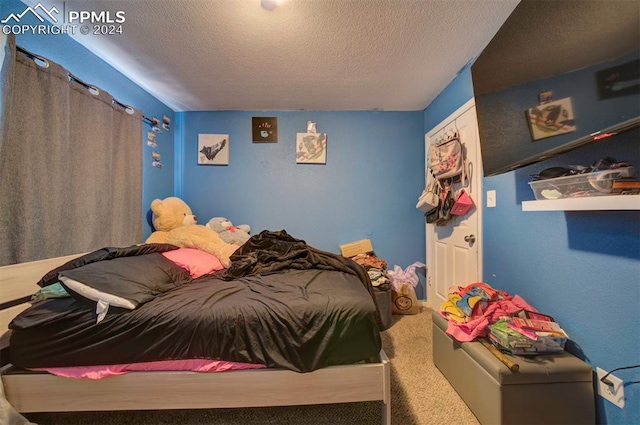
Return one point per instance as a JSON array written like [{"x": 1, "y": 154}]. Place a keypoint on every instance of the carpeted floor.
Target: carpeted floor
[{"x": 420, "y": 395}]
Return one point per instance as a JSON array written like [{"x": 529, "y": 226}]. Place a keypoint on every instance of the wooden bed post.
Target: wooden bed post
[{"x": 386, "y": 377}]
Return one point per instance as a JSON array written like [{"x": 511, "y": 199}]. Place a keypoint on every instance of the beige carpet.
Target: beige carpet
[{"x": 420, "y": 395}]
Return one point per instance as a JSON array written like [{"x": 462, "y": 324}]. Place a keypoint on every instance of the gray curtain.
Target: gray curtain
[{"x": 71, "y": 165}]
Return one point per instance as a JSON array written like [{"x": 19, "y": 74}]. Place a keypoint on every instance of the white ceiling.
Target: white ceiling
[{"x": 303, "y": 55}]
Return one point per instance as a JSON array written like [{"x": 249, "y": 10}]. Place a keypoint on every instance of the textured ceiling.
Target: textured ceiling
[{"x": 303, "y": 55}]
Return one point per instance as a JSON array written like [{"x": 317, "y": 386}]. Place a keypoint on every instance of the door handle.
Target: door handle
[{"x": 470, "y": 238}]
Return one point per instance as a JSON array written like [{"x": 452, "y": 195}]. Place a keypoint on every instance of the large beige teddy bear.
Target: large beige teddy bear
[{"x": 175, "y": 224}]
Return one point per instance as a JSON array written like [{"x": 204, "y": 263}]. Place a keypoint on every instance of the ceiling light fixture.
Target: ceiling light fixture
[{"x": 268, "y": 4}]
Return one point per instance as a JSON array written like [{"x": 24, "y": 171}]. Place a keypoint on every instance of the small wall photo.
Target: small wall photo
[
  {"x": 311, "y": 148},
  {"x": 213, "y": 149}
]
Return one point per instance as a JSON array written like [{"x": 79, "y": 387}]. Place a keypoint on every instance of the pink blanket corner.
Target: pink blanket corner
[{"x": 105, "y": 371}]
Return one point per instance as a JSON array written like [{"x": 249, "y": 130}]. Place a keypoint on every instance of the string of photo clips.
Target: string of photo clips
[
  {"x": 155, "y": 123},
  {"x": 156, "y": 159},
  {"x": 151, "y": 136}
]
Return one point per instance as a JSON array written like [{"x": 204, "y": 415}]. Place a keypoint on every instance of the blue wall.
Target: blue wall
[
  {"x": 457, "y": 93},
  {"x": 157, "y": 183},
  {"x": 581, "y": 267},
  {"x": 367, "y": 189}
]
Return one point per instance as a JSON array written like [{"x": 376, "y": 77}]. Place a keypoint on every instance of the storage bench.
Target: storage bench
[{"x": 548, "y": 389}]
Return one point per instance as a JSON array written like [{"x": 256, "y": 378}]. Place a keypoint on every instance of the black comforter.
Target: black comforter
[{"x": 281, "y": 303}]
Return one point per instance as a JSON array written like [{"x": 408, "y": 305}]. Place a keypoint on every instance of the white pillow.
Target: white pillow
[
  {"x": 103, "y": 299},
  {"x": 95, "y": 295}
]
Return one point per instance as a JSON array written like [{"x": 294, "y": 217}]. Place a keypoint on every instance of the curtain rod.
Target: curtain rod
[{"x": 44, "y": 63}]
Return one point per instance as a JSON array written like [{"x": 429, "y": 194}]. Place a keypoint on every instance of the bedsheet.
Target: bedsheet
[
  {"x": 281, "y": 303},
  {"x": 190, "y": 365}
]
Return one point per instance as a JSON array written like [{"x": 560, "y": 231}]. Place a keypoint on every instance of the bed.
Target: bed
[{"x": 309, "y": 358}]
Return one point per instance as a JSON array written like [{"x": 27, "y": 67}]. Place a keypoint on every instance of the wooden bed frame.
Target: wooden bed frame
[{"x": 42, "y": 392}]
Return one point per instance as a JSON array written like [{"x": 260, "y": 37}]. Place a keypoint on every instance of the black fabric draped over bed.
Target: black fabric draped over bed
[{"x": 281, "y": 303}]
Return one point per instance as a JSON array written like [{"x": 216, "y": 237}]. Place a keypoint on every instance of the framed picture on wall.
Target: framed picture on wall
[
  {"x": 213, "y": 149},
  {"x": 264, "y": 129},
  {"x": 311, "y": 148}
]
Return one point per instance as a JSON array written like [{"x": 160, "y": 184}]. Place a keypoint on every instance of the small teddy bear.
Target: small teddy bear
[
  {"x": 228, "y": 232},
  {"x": 175, "y": 224}
]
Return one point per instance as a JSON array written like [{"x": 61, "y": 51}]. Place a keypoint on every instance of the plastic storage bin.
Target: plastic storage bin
[{"x": 588, "y": 184}]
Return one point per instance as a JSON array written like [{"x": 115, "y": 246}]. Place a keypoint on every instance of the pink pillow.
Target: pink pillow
[{"x": 196, "y": 262}]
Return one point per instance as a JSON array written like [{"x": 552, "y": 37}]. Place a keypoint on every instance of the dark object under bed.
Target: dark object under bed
[{"x": 281, "y": 303}]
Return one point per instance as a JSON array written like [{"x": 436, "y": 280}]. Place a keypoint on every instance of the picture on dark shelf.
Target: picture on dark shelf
[
  {"x": 264, "y": 129},
  {"x": 551, "y": 118}
]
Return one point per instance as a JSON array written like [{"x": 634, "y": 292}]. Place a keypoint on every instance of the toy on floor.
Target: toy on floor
[
  {"x": 175, "y": 224},
  {"x": 228, "y": 232}
]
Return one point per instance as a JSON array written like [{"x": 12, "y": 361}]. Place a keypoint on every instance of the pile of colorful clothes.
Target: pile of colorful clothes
[
  {"x": 376, "y": 268},
  {"x": 471, "y": 309}
]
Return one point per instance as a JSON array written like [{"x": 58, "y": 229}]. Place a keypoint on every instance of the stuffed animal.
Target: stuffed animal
[
  {"x": 228, "y": 232},
  {"x": 175, "y": 224}
]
